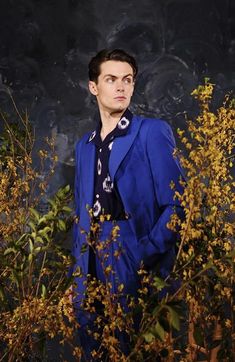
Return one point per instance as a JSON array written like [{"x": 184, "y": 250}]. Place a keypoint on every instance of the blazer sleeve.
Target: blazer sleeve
[
  {"x": 76, "y": 179},
  {"x": 77, "y": 208},
  {"x": 165, "y": 168}
]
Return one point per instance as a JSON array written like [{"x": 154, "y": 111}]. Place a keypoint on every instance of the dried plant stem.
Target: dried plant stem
[{"x": 184, "y": 235}]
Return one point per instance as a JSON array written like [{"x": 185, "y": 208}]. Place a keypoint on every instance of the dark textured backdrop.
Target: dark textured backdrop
[{"x": 45, "y": 46}]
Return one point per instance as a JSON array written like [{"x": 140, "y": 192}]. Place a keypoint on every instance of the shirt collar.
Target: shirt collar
[{"x": 120, "y": 130}]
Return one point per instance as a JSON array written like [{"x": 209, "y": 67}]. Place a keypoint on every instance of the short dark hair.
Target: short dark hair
[{"x": 105, "y": 55}]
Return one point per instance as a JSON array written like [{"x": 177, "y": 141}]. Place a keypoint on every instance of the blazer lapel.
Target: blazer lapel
[{"x": 122, "y": 145}]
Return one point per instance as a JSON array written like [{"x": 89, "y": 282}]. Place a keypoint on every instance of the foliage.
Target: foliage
[
  {"x": 192, "y": 323},
  {"x": 33, "y": 261},
  {"x": 205, "y": 261}
]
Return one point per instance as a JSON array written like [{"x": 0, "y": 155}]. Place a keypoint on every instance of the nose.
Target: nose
[{"x": 120, "y": 86}]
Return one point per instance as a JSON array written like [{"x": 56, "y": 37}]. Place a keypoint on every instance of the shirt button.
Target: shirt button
[
  {"x": 100, "y": 149},
  {"x": 97, "y": 196}
]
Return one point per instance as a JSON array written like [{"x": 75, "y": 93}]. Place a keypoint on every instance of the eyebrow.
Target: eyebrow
[{"x": 114, "y": 76}]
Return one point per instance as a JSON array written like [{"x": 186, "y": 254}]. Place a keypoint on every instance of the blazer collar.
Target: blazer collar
[
  {"x": 120, "y": 130},
  {"x": 122, "y": 145}
]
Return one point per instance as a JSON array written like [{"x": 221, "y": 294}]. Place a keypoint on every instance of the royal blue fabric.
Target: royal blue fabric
[
  {"x": 122, "y": 275},
  {"x": 142, "y": 165}
]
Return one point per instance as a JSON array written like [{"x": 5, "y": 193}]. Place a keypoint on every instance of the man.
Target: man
[{"x": 124, "y": 169}]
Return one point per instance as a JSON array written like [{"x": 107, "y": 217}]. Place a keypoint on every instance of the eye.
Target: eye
[
  {"x": 110, "y": 80},
  {"x": 128, "y": 80}
]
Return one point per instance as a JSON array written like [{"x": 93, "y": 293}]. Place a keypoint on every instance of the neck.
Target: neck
[{"x": 109, "y": 121}]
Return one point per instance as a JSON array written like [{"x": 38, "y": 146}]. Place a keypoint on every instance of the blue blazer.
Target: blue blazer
[{"x": 142, "y": 165}]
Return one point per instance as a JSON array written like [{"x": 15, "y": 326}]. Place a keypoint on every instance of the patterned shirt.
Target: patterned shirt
[{"x": 107, "y": 200}]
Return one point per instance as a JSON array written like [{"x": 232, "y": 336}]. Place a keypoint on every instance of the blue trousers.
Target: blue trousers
[{"x": 124, "y": 271}]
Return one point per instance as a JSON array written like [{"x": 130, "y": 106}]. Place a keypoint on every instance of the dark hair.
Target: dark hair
[{"x": 105, "y": 55}]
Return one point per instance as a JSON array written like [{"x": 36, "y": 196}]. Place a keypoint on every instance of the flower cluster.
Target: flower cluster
[
  {"x": 34, "y": 264},
  {"x": 205, "y": 260}
]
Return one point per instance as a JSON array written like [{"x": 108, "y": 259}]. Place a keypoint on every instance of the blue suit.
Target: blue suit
[{"x": 142, "y": 165}]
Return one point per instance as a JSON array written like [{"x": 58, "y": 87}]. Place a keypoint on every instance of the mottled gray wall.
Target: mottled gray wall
[{"x": 45, "y": 46}]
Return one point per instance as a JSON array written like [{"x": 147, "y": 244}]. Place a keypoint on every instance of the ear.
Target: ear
[{"x": 93, "y": 88}]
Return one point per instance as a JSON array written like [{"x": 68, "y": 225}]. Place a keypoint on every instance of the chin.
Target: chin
[
  {"x": 117, "y": 109},
  {"x": 122, "y": 107}
]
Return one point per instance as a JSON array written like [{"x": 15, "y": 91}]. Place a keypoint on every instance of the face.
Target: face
[{"x": 114, "y": 87}]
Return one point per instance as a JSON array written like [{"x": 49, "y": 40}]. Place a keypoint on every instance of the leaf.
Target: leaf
[
  {"x": 84, "y": 248},
  {"x": 149, "y": 337},
  {"x": 159, "y": 283},
  {"x": 61, "y": 225},
  {"x": 9, "y": 251},
  {"x": 157, "y": 309},
  {"x": 45, "y": 231},
  {"x": 30, "y": 257},
  {"x": 43, "y": 219},
  {"x": 31, "y": 246},
  {"x": 60, "y": 193},
  {"x": 33, "y": 234},
  {"x": 66, "y": 209},
  {"x": 39, "y": 240},
  {"x": 67, "y": 189},
  {"x": 34, "y": 213},
  {"x": 48, "y": 239},
  {"x": 47, "y": 217},
  {"x": 52, "y": 203},
  {"x": 2, "y": 294},
  {"x": 32, "y": 225},
  {"x": 174, "y": 318},
  {"x": 15, "y": 277},
  {"x": 198, "y": 336},
  {"x": 44, "y": 291},
  {"x": 37, "y": 249},
  {"x": 159, "y": 330},
  {"x": 22, "y": 238}
]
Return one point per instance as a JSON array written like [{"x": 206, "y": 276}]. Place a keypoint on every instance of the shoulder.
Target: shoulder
[
  {"x": 81, "y": 144},
  {"x": 84, "y": 140},
  {"x": 153, "y": 126}
]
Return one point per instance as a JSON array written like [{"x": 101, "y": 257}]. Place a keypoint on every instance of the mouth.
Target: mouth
[{"x": 120, "y": 98}]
